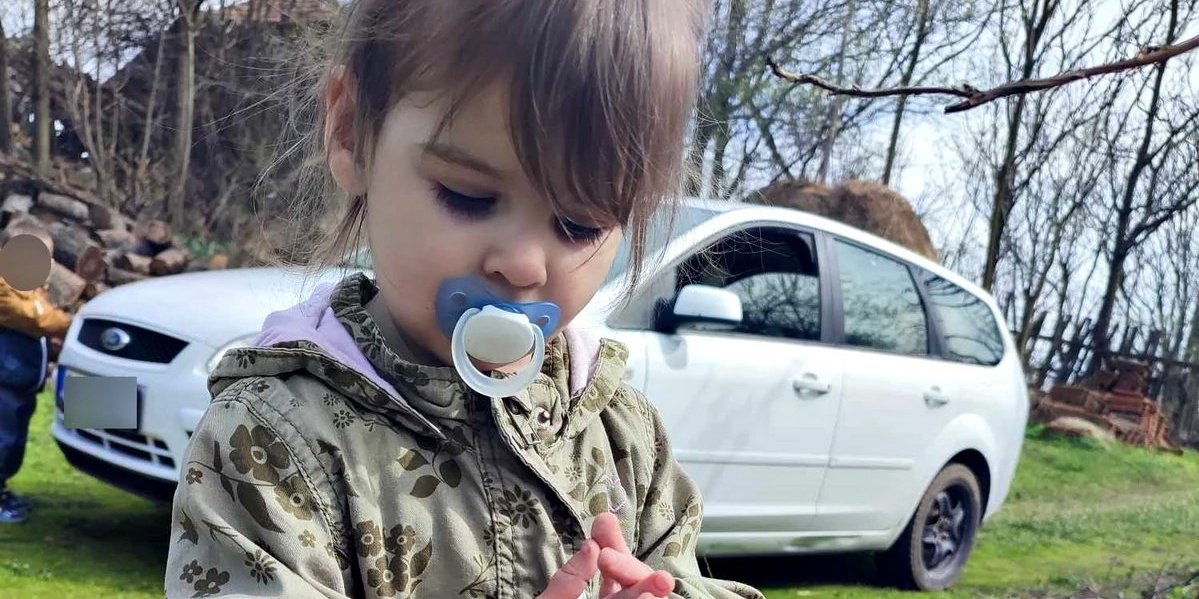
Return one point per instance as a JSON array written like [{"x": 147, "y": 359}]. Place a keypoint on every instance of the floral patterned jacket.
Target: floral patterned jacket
[{"x": 309, "y": 478}]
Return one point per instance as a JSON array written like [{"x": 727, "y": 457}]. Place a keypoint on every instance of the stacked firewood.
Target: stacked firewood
[
  {"x": 1115, "y": 400},
  {"x": 96, "y": 247}
]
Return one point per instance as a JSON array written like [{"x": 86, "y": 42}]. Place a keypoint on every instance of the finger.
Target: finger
[
  {"x": 658, "y": 585},
  {"x": 606, "y": 531},
  {"x": 608, "y": 587},
  {"x": 623, "y": 568},
  {"x": 573, "y": 577}
]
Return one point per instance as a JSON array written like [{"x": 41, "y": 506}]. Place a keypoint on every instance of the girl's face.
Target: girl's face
[{"x": 462, "y": 205}]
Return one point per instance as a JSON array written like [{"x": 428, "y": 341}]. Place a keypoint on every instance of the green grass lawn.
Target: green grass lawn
[
  {"x": 1080, "y": 516},
  {"x": 85, "y": 538},
  {"x": 1116, "y": 521}
]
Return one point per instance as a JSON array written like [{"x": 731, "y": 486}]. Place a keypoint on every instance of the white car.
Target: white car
[{"x": 828, "y": 390}]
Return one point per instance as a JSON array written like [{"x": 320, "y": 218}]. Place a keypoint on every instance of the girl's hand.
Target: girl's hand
[
  {"x": 632, "y": 577},
  {"x": 624, "y": 575},
  {"x": 571, "y": 580}
]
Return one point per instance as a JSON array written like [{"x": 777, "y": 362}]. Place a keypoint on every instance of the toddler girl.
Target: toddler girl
[{"x": 496, "y": 152}]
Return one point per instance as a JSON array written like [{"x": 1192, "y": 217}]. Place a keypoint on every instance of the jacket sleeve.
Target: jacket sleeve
[
  {"x": 247, "y": 520},
  {"x": 670, "y": 521},
  {"x": 31, "y": 313}
]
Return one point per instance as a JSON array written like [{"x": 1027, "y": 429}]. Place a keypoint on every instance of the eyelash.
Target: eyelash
[
  {"x": 460, "y": 204},
  {"x": 480, "y": 207},
  {"x": 573, "y": 232}
]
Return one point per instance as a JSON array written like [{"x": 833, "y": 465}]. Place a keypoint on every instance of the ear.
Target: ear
[{"x": 339, "y": 133}]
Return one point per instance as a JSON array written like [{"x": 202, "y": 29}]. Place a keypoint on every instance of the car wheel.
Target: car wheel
[{"x": 937, "y": 542}]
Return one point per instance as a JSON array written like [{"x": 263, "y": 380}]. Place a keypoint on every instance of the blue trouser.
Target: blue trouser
[
  {"x": 22, "y": 375},
  {"x": 16, "y": 409}
]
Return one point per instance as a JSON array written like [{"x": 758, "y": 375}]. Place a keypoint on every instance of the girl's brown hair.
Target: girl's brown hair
[{"x": 601, "y": 96}]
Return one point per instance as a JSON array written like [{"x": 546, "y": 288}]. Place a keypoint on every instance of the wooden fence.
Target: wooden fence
[{"x": 1067, "y": 355}]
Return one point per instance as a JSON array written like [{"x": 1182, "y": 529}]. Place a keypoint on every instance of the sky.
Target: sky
[{"x": 925, "y": 143}]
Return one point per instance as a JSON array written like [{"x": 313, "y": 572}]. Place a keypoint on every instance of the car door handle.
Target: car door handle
[
  {"x": 935, "y": 398},
  {"x": 809, "y": 385}
]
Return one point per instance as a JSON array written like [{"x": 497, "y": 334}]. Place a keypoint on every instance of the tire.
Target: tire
[{"x": 911, "y": 563}]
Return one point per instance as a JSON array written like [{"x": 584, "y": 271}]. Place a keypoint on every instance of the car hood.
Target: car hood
[{"x": 211, "y": 307}]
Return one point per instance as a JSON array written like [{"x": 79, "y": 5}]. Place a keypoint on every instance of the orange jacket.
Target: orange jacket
[{"x": 31, "y": 312}]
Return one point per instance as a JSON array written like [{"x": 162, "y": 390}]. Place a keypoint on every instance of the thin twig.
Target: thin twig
[{"x": 974, "y": 97}]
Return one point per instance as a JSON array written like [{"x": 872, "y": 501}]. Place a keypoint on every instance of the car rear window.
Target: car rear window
[
  {"x": 881, "y": 304},
  {"x": 967, "y": 323}
]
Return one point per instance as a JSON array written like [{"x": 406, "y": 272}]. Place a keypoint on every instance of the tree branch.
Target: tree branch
[{"x": 973, "y": 97}]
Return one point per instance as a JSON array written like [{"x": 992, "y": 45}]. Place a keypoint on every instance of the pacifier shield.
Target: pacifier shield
[
  {"x": 486, "y": 327},
  {"x": 457, "y": 295}
]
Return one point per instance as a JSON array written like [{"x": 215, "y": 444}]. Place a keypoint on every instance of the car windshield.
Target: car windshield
[{"x": 660, "y": 233}]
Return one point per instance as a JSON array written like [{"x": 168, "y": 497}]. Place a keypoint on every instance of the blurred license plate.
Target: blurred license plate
[{"x": 102, "y": 403}]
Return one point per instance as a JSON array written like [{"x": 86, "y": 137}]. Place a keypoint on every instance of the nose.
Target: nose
[{"x": 518, "y": 263}]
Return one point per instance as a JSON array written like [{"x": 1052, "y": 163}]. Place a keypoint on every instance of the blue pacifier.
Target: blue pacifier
[{"x": 486, "y": 327}]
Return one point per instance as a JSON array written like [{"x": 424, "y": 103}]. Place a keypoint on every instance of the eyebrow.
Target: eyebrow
[{"x": 461, "y": 157}]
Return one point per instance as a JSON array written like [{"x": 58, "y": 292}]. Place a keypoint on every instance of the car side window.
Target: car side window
[
  {"x": 967, "y": 324},
  {"x": 775, "y": 274},
  {"x": 881, "y": 303}
]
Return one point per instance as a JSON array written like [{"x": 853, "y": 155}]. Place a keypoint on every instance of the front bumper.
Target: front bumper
[{"x": 152, "y": 488}]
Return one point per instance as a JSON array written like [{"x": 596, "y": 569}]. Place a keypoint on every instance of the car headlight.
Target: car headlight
[{"x": 220, "y": 353}]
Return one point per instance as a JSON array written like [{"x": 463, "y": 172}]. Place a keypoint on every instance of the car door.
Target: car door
[
  {"x": 750, "y": 410},
  {"x": 896, "y": 395}
]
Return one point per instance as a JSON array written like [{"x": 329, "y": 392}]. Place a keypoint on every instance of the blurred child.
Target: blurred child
[{"x": 31, "y": 328}]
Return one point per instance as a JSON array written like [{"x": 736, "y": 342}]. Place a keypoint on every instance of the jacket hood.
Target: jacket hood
[{"x": 310, "y": 336}]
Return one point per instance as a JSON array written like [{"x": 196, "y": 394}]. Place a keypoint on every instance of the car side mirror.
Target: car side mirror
[{"x": 715, "y": 308}]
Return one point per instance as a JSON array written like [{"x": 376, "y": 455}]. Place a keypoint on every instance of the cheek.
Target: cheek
[
  {"x": 579, "y": 276},
  {"x": 407, "y": 226}
]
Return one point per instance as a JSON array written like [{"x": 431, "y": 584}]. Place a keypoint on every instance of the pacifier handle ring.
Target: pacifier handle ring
[{"x": 487, "y": 385}]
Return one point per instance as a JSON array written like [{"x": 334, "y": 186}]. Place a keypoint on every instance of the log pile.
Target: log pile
[
  {"x": 1115, "y": 400},
  {"x": 96, "y": 247}
]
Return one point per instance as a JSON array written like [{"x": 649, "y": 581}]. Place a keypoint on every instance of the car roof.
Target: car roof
[{"x": 731, "y": 212}]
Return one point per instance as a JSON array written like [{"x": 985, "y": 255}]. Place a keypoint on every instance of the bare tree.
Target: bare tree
[
  {"x": 5, "y": 102},
  {"x": 1041, "y": 25},
  {"x": 1028, "y": 147},
  {"x": 1160, "y": 181},
  {"x": 1163, "y": 292},
  {"x": 149, "y": 115},
  {"x": 716, "y": 105},
  {"x": 934, "y": 34},
  {"x": 836, "y": 107},
  {"x": 41, "y": 86},
  {"x": 748, "y": 129},
  {"x": 972, "y": 97},
  {"x": 746, "y": 126},
  {"x": 1186, "y": 416},
  {"x": 189, "y": 14},
  {"x": 1036, "y": 17},
  {"x": 97, "y": 37},
  {"x": 1045, "y": 230},
  {"x": 83, "y": 22},
  {"x": 923, "y": 18}
]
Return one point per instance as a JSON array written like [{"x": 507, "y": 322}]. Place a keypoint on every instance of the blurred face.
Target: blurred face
[{"x": 462, "y": 205}]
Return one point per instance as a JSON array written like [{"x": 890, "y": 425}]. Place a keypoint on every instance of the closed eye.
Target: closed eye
[
  {"x": 573, "y": 232},
  {"x": 463, "y": 205}
]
